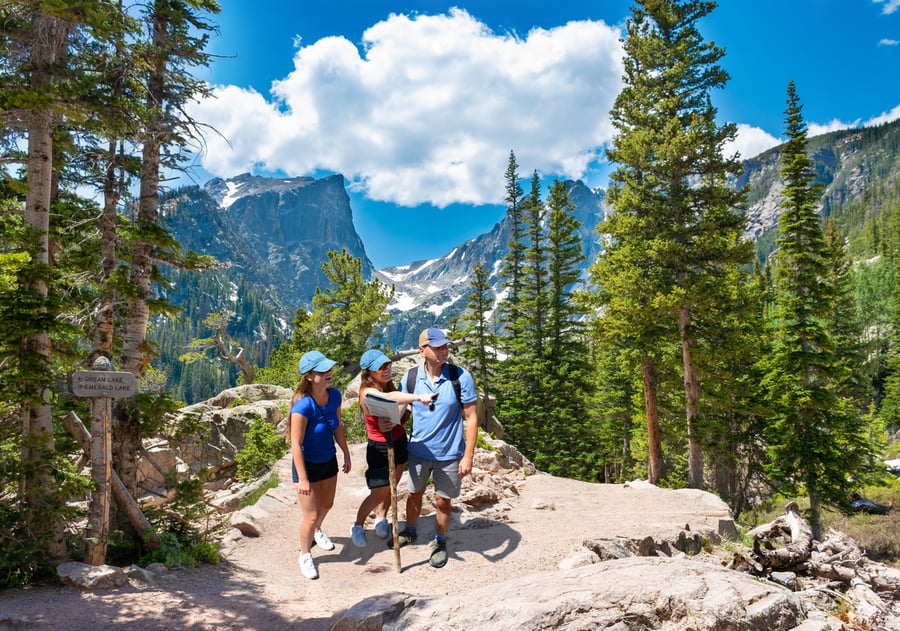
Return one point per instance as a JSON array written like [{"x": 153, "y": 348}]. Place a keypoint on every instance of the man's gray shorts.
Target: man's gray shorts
[{"x": 447, "y": 482}]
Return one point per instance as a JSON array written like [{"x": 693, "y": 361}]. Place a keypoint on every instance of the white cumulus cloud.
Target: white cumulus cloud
[
  {"x": 750, "y": 141},
  {"x": 889, "y": 5},
  {"x": 428, "y": 109}
]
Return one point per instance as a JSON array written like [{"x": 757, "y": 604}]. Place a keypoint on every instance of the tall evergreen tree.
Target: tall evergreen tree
[
  {"x": 514, "y": 258},
  {"x": 672, "y": 231},
  {"x": 530, "y": 340},
  {"x": 565, "y": 354},
  {"x": 816, "y": 438},
  {"x": 177, "y": 36},
  {"x": 345, "y": 316},
  {"x": 478, "y": 331},
  {"x": 843, "y": 321},
  {"x": 519, "y": 392},
  {"x": 889, "y": 413}
]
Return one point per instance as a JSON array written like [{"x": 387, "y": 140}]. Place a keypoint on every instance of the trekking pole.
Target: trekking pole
[{"x": 392, "y": 478}]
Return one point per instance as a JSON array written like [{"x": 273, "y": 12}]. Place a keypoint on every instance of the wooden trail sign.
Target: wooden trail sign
[
  {"x": 101, "y": 386},
  {"x": 103, "y": 383}
]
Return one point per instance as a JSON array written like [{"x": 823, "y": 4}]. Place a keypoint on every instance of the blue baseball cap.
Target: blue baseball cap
[
  {"x": 433, "y": 337},
  {"x": 373, "y": 359},
  {"x": 314, "y": 360}
]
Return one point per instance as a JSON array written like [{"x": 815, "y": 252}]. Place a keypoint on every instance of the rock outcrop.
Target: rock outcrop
[
  {"x": 633, "y": 594},
  {"x": 208, "y": 435}
]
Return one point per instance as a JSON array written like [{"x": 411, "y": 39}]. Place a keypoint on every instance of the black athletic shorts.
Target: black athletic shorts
[
  {"x": 316, "y": 471},
  {"x": 377, "y": 461}
]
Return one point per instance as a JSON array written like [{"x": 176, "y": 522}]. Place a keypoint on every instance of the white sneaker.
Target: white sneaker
[
  {"x": 358, "y": 536},
  {"x": 383, "y": 529},
  {"x": 307, "y": 566},
  {"x": 323, "y": 541}
]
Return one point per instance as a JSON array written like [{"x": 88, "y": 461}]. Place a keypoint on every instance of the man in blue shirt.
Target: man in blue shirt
[{"x": 437, "y": 446}]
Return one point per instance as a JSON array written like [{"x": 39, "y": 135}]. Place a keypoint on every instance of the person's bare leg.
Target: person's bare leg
[
  {"x": 324, "y": 491},
  {"x": 376, "y": 501},
  {"x": 413, "y": 507},
  {"x": 308, "y": 521},
  {"x": 443, "y": 514}
]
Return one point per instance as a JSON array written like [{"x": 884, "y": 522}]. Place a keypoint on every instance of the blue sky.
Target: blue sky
[{"x": 418, "y": 103}]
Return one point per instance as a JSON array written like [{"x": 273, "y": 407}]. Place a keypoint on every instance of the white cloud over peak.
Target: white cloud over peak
[
  {"x": 889, "y": 5},
  {"x": 750, "y": 141},
  {"x": 428, "y": 110},
  {"x": 887, "y": 117}
]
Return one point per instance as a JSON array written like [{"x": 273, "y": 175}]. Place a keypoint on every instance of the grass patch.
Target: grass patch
[{"x": 270, "y": 483}]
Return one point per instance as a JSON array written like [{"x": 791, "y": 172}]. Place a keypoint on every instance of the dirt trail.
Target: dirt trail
[{"x": 259, "y": 585}]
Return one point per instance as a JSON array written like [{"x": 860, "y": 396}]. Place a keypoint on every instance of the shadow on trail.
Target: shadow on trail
[
  {"x": 494, "y": 540},
  {"x": 209, "y": 597}
]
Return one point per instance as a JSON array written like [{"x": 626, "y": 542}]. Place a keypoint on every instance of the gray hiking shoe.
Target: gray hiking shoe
[
  {"x": 405, "y": 537},
  {"x": 438, "y": 553}
]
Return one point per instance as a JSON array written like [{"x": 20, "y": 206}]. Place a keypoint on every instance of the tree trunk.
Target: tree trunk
[
  {"x": 790, "y": 528},
  {"x": 48, "y": 47},
  {"x": 691, "y": 400},
  {"x": 124, "y": 499},
  {"x": 815, "y": 509},
  {"x": 651, "y": 408},
  {"x": 136, "y": 350},
  {"x": 105, "y": 321}
]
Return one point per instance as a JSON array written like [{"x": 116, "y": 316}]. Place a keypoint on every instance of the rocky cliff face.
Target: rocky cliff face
[
  {"x": 276, "y": 230},
  {"x": 853, "y": 166}
]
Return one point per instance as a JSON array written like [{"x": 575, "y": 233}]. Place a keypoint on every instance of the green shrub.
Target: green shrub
[
  {"x": 262, "y": 448},
  {"x": 174, "y": 552},
  {"x": 188, "y": 528},
  {"x": 354, "y": 424},
  {"x": 25, "y": 538},
  {"x": 253, "y": 498},
  {"x": 482, "y": 442}
]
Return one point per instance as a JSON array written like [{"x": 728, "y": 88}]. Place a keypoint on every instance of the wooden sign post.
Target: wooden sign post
[{"x": 101, "y": 385}]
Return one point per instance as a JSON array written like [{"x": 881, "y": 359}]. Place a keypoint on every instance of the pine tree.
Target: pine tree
[
  {"x": 531, "y": 335},
  {"x": 36, "y": 90},
  {"x": 816, "y": 437},
  {"x": 347, "y": 315},
  {"x": 889, "y": 413},
  {"x": 477, "y": 328},
  {"x": 672, "y": 233},
  {"x": 176, "y": 39},
  {"x": 565, "y": 356},
  {"x": 514, "y": 258},
  {"x": 520, "y": 390}
]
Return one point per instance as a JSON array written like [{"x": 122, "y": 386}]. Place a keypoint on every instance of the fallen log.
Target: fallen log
[
  {"x": 124, "y": 499},
  {"x": 793, "y": 532}
]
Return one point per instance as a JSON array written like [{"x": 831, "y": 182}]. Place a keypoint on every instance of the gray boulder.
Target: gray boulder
[{"x": 632, "y": 594}]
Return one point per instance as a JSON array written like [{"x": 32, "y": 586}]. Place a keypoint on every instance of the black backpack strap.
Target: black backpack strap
[
  {"x": 452, "y": 369},
  {"x": 411, "y": 379},
  {"x": 454, "y": 378}
]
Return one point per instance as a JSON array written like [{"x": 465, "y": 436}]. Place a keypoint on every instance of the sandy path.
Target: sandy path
[{"x": 260, "y": 587}]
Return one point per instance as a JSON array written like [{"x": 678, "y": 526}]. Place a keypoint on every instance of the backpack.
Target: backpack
[{"x": 454, "y": 371}]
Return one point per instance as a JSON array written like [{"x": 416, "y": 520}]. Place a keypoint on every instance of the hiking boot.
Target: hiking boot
[
  {"x": 405, "y": 537},
  {"x": 307, "y": 566},
  {"x": 383, "y": 529},
  {"x": 323, "y": 541},
  {"x": 438, "y": 553},
  {"x": 358, "y": 536}
]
